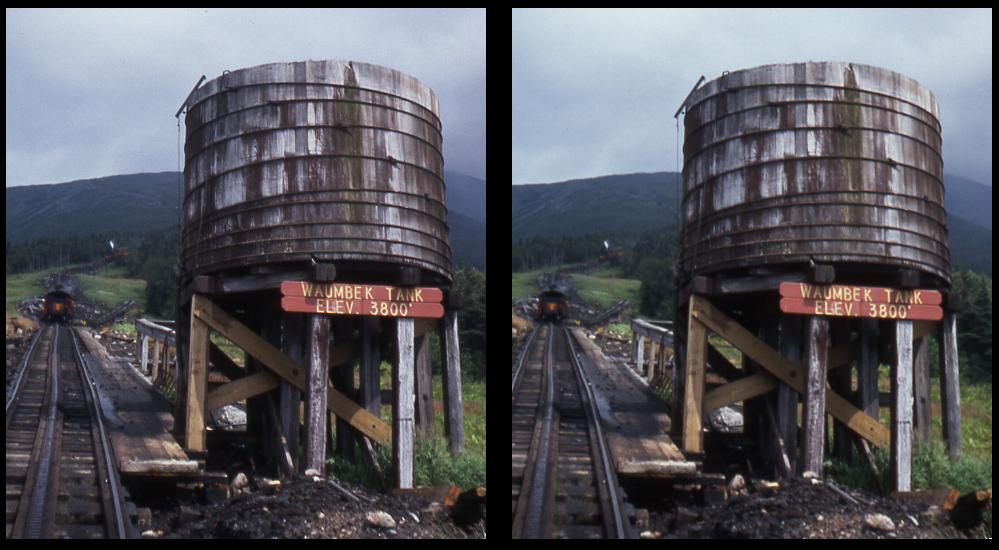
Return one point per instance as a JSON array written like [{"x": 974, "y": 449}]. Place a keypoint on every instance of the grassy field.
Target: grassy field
[
  {"x": 109, "y": 288},
  {"x": 24, "y": 285}
]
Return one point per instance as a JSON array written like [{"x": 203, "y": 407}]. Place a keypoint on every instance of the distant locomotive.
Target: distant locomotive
[
  {"x": 58, "y": 306},
  {"x": 553, "y": 306}
]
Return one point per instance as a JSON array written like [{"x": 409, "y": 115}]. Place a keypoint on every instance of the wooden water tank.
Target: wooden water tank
[
  {"x": 830, "y": 162},
  {"x": 333, "y": 161}
]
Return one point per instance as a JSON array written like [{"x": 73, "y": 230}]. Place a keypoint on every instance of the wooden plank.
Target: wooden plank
[
  {"x": 693, "y": 435},
  {"x": 860, "y": 309},
  {"x": 787, "y": 397},
  {"x": 740, "y": 390},
  {"x": 653, "y": 350},
  {"x": 852, "y": 293},
  {"x": 154, "y": 367},
  {"x": 325, "y": 306},
  {"x": 839, "y": 382},
  {"x": 454, "y": 422},
  {"x": 922, "y": 417},
  {"x": 240, "y": 389},
  {"x": 144, "y": 357},
  {"x": 197, "y": 381},
  {"x": 867, "y": 368},
  {"x": 901, "y": 412},
  {"x": 349, "y": 291},
  {"x": 867, "y": 427},
  {"x": 402, "y": 406},
  {"x": 640, "y": 358},
  {"x": 343, "y": 381},
  {"x": 950, "y": 392},
  {"x": 317, "y": 357},
  {"x": 371, "y": 397},
  {"x": 290, "y": 398},
  {"x": 287, "y": 369},
  {"x": 814, "y": 417},
  {"x": 424, "y": 388}
]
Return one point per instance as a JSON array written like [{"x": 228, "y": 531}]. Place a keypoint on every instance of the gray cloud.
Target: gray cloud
[
  {"x": 594, "y": 91},
  {"x": 92, "y": 93}
]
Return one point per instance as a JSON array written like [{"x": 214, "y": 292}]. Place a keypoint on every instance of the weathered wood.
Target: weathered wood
[
  {"x": 715, "y": 320},
  {"x": 822, "y": 274},
  {"x": 240, "y": 389},
  {"x": 323, "y": 272},
  {"x": 901, "y": 412},
  {"x": 282, "y": 452},
  {"x": 650, "y": 367},
  {"x": 424, "y": 388},
  {"x": 923, "y": 417},
  {"x": 223, "y": 363},
  {"x": 290, "y": 399},
  {"x": 155, "y": 366},
  {"x": 144, "y": 357},
  {"x": 950, "y": 392},
  {"x": 781, "y": 458},
  {"x": 839, "y": 382},
  {"x": 454, "y": 423},
  {"x": 814, "y": 418},
  {"x": 370, "y": 363},
  {"x": 252, "y": 283},
  {"x": 287, "y": 369},
  {"x": 197, "y": 381},
  {"x": 907, "y": 278},
  {"x": 754, "y": 283},
  {"x": 867, "y": 368},
  {"x": 693, "y": 436},
  {"x": 402, "y": 405},
  {"x": 787, "y": 397},
  {"x": 740, "y": 390},
  {"x": 640, "y": 356},
  {"x": 317, "y": 356}
]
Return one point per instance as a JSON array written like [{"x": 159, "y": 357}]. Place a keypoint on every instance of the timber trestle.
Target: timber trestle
[
  {"x": 789, "y": 358},
  {"x": 299, "y": 380}
]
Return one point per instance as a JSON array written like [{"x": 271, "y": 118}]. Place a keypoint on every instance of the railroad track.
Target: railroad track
[
  {"x": 563, "y": 483},
  {"x": 59, "y": 484}
]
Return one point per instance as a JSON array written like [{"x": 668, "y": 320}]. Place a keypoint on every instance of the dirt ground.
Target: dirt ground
[{"x": 309, "y": 507}]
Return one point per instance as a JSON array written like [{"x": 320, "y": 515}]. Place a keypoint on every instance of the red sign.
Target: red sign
[
  {"x": 845, "y": 293},
  {"x": 346, "y": 291},
  {"x": 877, "y": 310},
  {"x": 378, "y": 308}
]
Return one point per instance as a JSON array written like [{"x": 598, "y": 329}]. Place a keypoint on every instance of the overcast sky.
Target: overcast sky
[
  {"x": 93, "y": 93},
  {"x": 594, "y": 91}
]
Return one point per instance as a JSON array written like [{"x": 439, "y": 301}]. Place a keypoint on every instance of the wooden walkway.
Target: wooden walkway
[
  {"x": 636, "y": 420},
  {"x": 139, "y": 418}
]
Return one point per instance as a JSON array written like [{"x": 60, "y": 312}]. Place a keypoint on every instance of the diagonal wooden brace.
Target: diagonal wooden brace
[
  {"x": 869, "y": 428},
  {"x": 282, "y": 365}
]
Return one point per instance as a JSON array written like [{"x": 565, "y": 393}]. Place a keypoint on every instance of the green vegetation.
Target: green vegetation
[
  {"x": 111, "y": 291},
  {"x": 605, "y": 292},
  {"x": 23, "y": 286}
]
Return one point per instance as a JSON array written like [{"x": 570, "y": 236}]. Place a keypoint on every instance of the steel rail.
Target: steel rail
[
  {"x": 519, "y": 365},
  {"x": 621, "y": 527},
  {"x": 39, "y": 506},
  {"x": 538, "y": 496},
  {"x": 16, "y": 388},
  {"x": 112, "y": 482}
]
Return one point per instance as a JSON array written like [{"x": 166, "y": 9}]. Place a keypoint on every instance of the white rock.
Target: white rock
[
  {"x": 819, "y": 517},
  {"x": 736, "y": 484},
  {"x": 239, "y": 482},
  {"x": 810, "y": 475},
  {"x": 311, "y": 472},
  {"x": 879, "y": 521},
  {"x": 380, "y": 519},
  {"x": 153, "y": 534},
  {"x": 650, "y": 535},
  {"x": 415, "y": 517}
]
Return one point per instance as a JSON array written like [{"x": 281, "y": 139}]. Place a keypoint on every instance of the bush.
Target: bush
[{"x": 433, "y": 466}]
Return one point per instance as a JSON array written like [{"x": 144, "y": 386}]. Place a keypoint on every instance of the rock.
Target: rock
[
  {"x": 810, "y": 475},
  {"x": 737, "y": 485},
  {"x": 650, "y": 535},
  {"x": 391, "y": 532},
  {"x": 816, "y": 481},
  {"x": 311, "y": 472},
  {"x": 415, "y": 517},
  {"x": 880, "y": 522},
  {"x": 239, "y": 483},
  {"x": 217, "y": 493},
  {"x": 933, "y": 514},
  {"x": 685, "y": 515},
  {"x": 380, "y": 519},
  {"x": 269, "y": 485},
  {"x": 641, "y": 518},
  {"x": 152, "y": 534},
  {"x": 726, "y": 419},
  {"x": 434, "y": 508},
  {"x": 819, "y": 517},
  {"x": 321, "y": 515}
]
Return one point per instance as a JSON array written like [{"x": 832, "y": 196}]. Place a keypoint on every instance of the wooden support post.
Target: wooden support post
[
  {"x": 290, "y": 401},
  {"x": 155, "y": 365},
  {"x": 370, "y": 390},
  {"x": 814, "y": 421},
  {"x": 950, "y": 380},
  {"x": 318, "y": 380},
  {"x": 343, "y": 381},
  {"x": 197, "y": 381},
  {"x": 144, "y": 356},
  {"x": 693, "y": 433},
  {"x": 653, "y": 349},
  {"x": 839, "y": 381},
  {"x": 424, "y": 387},
  {"x": 787, "y": 398},
  {"x": 403, "y": 397},
  {"x": 867, "y": 368},
  {"x": 901, "y": 413},
  {"x": 454, "y": 423},
  {"x": 923, "y": 416},
  {"x": 640, "y": 356},
  {"x": 183, "y": 366}
]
